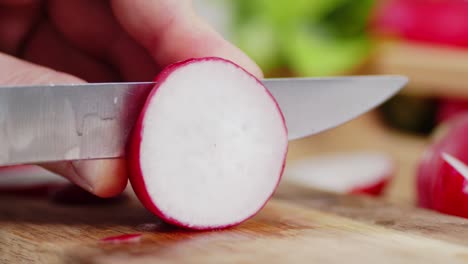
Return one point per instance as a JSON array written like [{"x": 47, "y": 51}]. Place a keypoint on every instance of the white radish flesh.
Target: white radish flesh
[{"x": 209, "y": 147}]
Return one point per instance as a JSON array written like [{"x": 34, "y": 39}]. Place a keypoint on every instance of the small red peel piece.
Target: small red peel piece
[{"x": 126, "y": 238}]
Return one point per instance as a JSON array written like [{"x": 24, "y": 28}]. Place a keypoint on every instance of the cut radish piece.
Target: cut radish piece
[
  {"x": 359, "y": 173},
  {"x": 458, "y": 165},
  {"x": 127, "y": 238},
  {"x": 209, "y": 147},
  {"x": 441, "y": 22},
  {"x": 28, "y": 180},
  {"x": 451, "y": 187},
  {"x": 442, "y": 173}
]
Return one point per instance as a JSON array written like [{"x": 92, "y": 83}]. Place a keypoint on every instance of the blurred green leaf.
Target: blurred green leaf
[
  {"x": 311, "y": 37},
  {"x": 259, "y": 40},
  {"x": 283, "y": 12},
  {"x": 321, "y": 54},
  {"x": 350, "y": 18}
]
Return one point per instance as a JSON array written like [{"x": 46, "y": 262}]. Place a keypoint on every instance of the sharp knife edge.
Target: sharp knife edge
[{"x": 87, "y": 121}]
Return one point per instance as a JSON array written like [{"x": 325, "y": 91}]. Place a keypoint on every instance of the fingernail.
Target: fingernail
[{"x": 81, "y": 176}]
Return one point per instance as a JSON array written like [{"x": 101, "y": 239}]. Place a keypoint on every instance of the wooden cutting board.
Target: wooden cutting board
[{"x": 298, "y": 226}]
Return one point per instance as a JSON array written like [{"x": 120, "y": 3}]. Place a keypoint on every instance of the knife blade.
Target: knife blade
[
  {"x": 313, "y": 105},
  {"x": 93, "y": 121}
]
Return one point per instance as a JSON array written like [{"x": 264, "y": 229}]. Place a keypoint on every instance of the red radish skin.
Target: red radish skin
[
  {"x": 28, "y": 180},
  {"x": 364, "y": 173},
  {"x": 449, "y": 108},
  {"x": 120, "y": 239},
  {"x": 71, "y": 195},
  {"x": 451, "y": 189},
  {"x": 247, "y": 201},
  {"x": 441, "y": 186},
  {"x": 440, "y": 22},
  {"x": 376, "y": 189}
]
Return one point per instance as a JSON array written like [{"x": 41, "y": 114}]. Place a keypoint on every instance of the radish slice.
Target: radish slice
[
  {"x": 442, "y": 174},
  {"x": 28, "y": 180},
  {"x": 127, "y": 238},
  {"x": 359, "y": 173},
  {"x": 209, "y": 147},
  {"x": 449, "y": 108}
]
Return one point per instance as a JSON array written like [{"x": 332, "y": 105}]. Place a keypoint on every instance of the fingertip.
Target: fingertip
[
  {"x": 172, "y": 32},
  {"x": 222, "y": 48},
  {"x": 236, "y": 55},
  {"x": 107, "y": 178}
]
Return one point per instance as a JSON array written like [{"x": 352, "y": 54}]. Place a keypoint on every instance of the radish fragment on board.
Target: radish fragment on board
[{"x": 355, "y": 172}]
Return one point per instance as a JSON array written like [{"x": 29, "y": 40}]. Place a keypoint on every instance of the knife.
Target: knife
[{"x": 92, "y": 121}]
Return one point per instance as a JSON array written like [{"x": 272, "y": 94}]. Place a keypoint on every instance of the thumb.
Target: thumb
[
  {"x": 171, "y": 32},
  {"x": 101, "y": 177}
]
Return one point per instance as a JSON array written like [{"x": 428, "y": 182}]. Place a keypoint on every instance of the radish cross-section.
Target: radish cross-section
[
  {"x": 360, "y": 172},
  {"x": 209, "y": 147}
]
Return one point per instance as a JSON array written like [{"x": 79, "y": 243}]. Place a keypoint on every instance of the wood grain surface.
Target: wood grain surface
[{"x": 298, "y": 226}]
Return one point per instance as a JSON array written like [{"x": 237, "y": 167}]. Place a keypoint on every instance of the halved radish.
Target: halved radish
[
  {"x": 28, "y": 180},
  {"x": 358, "y": 173},
  {"x": 442, "y": 173},
  {"x": 209, "y": 147}
]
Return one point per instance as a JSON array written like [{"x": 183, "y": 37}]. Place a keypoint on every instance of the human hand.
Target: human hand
[{"x": 77, "y": 41}]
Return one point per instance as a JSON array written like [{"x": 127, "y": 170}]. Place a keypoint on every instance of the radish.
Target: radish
[
  {"x": 209, "y": 147},
  {"x": 450, "y": 107},
  {"x": 126, "y": 238},
  {"x": 28, "y": 180},
  {"x": 355, "y": 173},
  {"x": 442, "y": 172}
]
